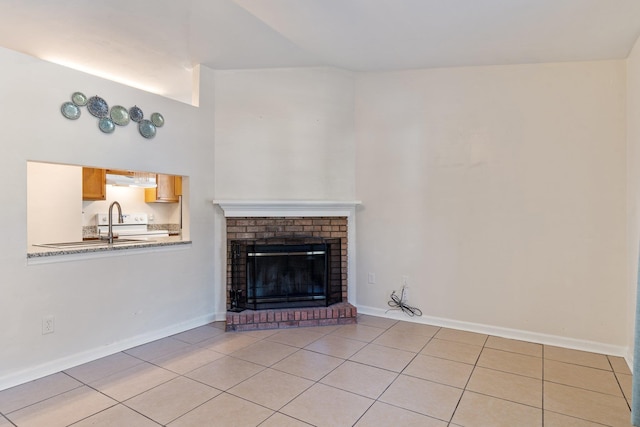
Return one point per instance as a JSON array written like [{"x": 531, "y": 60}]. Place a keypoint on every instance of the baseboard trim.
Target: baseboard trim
[
  {"x": 516, "y": 334},
  {"x": 70, "y": 361}
]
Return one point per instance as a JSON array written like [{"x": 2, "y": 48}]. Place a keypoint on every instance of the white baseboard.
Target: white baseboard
[
  {"x": 70, "y": 361},
  {"x": 555, "y": 340}
]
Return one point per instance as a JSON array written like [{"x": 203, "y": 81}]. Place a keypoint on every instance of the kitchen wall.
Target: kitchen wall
[
  {"x": 633, "y": 187},
  {"x": 499, "y": 191},
  {"x": 132, "y": 201},
  {"x": 107, "y": 304},
  {"x": 54, "y": 203}
]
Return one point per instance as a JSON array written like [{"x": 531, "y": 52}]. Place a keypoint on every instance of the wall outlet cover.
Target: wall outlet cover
[{"x": 48, "y": 325}]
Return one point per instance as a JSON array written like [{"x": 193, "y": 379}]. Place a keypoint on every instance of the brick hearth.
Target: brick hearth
[{"x": 249, "y": 320}]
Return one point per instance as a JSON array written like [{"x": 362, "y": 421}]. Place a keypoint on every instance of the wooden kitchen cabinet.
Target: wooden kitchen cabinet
[
  {"x": 169, "y": 190},
  {"x": 94, "y": 184}
]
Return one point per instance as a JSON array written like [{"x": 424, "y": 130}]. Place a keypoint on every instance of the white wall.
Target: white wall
[
  {"x": 54, "y": 203},
  {"x": 284, "y": 134},
  {"x": 633, "y": 186},
  {"x": 500, "y": 192},
  {"x": 100, "y": 305}
]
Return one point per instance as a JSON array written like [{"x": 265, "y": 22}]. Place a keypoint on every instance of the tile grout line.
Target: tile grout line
[
  {"x": 618, "y": 382},
  {"x": 542, "y": 385},
  {"x": 397, "y": 374},
  {"x": 464, "y": 389}
]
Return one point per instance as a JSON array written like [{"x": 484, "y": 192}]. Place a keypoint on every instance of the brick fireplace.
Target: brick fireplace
[{"x": 272, "y": 224}]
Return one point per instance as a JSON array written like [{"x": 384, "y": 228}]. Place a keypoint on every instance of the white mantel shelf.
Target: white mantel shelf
[{"x": 260, "y": 208}]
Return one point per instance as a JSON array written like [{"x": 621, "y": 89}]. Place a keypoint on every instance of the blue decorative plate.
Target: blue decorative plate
[
  {"x": 79, "y": 99},
  {"x": 70, "y": 110},
  {"x": 98, "y": 107},
  {"x": 106, "y": 125},
  {"x": 157, "y": 119},
  {"x": 147, "y": 129},
  {"x": 136, "y": 113},
  {"x": 119, "y": 115}
]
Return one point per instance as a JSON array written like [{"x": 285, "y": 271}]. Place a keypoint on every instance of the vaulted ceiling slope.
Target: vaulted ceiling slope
[{"x": 153, "y": 44}]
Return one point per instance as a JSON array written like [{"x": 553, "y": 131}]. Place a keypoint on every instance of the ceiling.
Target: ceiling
[{"x": 154, "y": 44}]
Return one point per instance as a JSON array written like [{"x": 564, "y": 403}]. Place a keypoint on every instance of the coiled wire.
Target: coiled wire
[{"x": 398, "y": 303}]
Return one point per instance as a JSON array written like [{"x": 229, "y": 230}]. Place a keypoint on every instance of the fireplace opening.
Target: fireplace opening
[{"x": 285, "y": 273}]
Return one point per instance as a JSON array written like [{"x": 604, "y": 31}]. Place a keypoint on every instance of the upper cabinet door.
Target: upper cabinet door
[
  {"x": 94, "y": 184},
  {"x": 169, "y": 190}
]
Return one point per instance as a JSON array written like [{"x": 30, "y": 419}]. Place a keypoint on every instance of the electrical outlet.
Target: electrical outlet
[
  {"x": 48, "y": 325},
  {"x": 372, "y": 278}
]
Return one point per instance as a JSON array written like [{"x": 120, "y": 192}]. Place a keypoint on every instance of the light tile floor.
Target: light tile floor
[{"x": 380, "y": 372}]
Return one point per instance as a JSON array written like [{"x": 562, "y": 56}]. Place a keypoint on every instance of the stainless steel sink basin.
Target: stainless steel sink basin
[{"x": 91, "y": 244}]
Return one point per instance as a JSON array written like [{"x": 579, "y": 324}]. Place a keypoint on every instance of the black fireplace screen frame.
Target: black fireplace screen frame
[{"x": 261, "y": 277}]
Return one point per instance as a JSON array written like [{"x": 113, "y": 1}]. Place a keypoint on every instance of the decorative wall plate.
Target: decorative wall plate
[
  {"x": 157, "y": 119},
  {"x": 109, "y": 119},
  {"x": 70, "y": 110},
  {"x": 98, "y": 107},
  {"x": 79, "y": 99},
  {"x": 119, "y": 115},
  {"x": 147, "y": 129},
  {"x": 136, "y": 113},
  {"x": 106, "y": 125}
]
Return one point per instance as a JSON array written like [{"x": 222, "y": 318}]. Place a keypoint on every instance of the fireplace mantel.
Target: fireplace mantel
[{"x": 284, "y": 208}]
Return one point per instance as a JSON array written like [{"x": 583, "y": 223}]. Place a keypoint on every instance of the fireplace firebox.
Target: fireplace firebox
[{"x": 285, "y": 273}]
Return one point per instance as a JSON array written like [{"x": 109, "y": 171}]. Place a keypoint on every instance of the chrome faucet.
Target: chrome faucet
[{"x": 120, "y": 220}]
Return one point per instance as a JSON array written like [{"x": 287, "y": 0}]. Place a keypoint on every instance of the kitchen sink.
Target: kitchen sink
[{"x": 91, "y": 243}]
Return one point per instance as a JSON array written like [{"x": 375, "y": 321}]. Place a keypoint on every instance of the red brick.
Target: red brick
[
  {"x": 236, "y": 229},
  {"x": 289, "y": 324},
  {"x": 248, "y": 327},
  {"x": 305, "y": 323},
  {"x": 246, "y": 235},
  {"x": 268, "y": 325}
]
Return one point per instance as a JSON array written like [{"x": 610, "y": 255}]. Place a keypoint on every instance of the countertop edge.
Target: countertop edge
[{"x": 67, "y": 254}]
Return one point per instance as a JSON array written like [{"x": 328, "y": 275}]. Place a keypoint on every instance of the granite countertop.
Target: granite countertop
[{"x": 40, "y": 251}]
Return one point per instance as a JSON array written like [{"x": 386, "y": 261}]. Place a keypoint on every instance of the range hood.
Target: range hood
[{"x": 140, "y": 180}]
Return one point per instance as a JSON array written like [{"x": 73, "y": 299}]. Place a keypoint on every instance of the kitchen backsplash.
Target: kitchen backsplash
[
  {"x": 91, "y": 231},
  {"x": 132, "y": 201}
]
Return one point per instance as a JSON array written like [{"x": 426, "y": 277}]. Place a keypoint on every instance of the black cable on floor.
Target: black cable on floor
[{"x": 397, "y": 303}]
